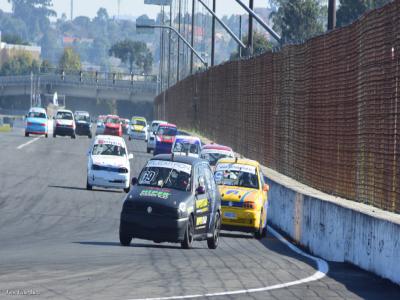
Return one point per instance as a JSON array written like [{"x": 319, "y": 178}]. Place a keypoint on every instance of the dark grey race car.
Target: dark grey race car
[{"x": 175, "y": 199}]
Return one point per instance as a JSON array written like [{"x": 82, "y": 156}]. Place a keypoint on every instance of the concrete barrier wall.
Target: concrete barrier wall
[{"x": 336, "y": 229}]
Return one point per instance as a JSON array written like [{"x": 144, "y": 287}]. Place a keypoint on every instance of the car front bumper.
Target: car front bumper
[
  {"x": 237, "y": 219},
  {"x": 108, "y": 179},
  {"x": 146, "y": 226},
  {"x": 138, "y": 135}
]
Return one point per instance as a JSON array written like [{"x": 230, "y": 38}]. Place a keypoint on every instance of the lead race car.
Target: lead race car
[
  {"x": 108, "y": 163},
  {"x": 244, "y": 195},
  {"x": 175, "y": 199}
]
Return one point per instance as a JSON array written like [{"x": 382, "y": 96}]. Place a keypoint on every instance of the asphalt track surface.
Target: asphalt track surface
[{"x": 60, "y": 241}]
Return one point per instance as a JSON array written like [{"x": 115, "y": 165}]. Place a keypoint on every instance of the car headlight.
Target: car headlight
[{"x": 182, "y": 207}]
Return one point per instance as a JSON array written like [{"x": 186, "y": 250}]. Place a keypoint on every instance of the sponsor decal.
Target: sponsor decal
[
  {"x": 214, "y": 151},
  {"x": 201, "y": 220},
  {"x": 181, "y": 167},
  {"x": 155, "y": 194},
  {"x": 202, "y": 203},
  {"x": 236, "y": 167}
]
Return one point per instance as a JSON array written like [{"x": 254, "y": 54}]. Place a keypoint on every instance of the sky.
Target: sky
[{"x": 130, "y": 7}]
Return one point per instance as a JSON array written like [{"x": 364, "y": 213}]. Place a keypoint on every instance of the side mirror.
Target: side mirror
[
  {"x": 266, "y": 187},
  {"x": 130, "y": 156},
  {"x": 134, "y": 181},
  {"x": 201, "y": 190}
]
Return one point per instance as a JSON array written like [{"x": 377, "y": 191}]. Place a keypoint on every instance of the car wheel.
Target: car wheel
[
  {"x": 129, "y": 138},
  {"x": 73, "y": 136},
  {"x": 148, "y": 150},
  {"x": 259, "y": 234},
  {"x": 54, "y": 135},
  {"x": 46, "y": 135},
  {"x": 126, "y": 190},
  {"x": 26, "y": 134},
  {"x": 124, "y": 238},
  {"x": 212, "y": 243},
  {"x": 90, "y": 136},
  {"x": 189, "y": 233},
  {"x": 89, "y": 187}
]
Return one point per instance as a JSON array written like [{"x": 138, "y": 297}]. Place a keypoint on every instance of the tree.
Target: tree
[
  {"x": 46, "y": 66},
  {"x": 22, "y": 63},
  {"x": 34, "y": 13},
  {"x": 260, "y": 45},
  {"x": 350, "y": 10},
  {"x": 70, "y": 60},
  {"x": 131, "y": 52},
  {"x": 13, "y": 39},
  {"x": 297, "y": 20}
]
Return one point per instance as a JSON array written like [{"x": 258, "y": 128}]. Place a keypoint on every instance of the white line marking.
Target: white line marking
[
  {"x": 322, "y": 265},
  {"x": 27, "y": 143}
]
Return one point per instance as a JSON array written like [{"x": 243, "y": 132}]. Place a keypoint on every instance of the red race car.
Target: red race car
[{"x": 113, "y": 125}]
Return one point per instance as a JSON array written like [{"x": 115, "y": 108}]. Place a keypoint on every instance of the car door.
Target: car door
[
  {"x": 212, "y": 193},
  {"x": 202, "y": 203}
]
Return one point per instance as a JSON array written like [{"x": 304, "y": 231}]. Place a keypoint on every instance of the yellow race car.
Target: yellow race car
[{"x": 244, "y": 196}]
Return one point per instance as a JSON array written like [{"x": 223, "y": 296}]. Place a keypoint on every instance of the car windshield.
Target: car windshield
[
  {"x": 184, "y": 146},
  {"x": 166, "y": 131},
  {"x": 36, "y": 114},
  {"x": 108, "y": 149},
  {"x": 139, "y": 122},
  {"x": 65, "y": 115},
  {"x": 82, "y": 118},
  {"x": 167, "y": 174},
  {"x": 213, "y": 158},
  {"x": 236, "y": 175},
  {"x": 112, "y": 120},
  {"x": 154, "y": 126}
]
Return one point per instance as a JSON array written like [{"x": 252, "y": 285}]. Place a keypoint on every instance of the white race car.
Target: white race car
[
  {"x": 151, "y": 142},
  {"x": 108, "y": 163}
]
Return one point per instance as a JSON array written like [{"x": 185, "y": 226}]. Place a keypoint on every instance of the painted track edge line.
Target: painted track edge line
[
  {"x": 28, "y": 143},
  {"x": 322, "y": 266}
]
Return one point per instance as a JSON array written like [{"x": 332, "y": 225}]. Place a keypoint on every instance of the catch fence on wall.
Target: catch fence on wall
[{"x": 325, "y": 112}]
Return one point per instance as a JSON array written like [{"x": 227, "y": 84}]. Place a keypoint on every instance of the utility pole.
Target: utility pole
[
  {"x": 119, "y": 6},
  {"x": 169, "y": 48},
  {"x": 240, "y": 36},
  {"x": 331, "y": 14},
  {"x": 250, "y": 34},
  {"x": 179, "y": 48},
  {"x": 192, "y": 35},
  {"x": 213, "y": 35},
  {"x": 72, "y": 10}
]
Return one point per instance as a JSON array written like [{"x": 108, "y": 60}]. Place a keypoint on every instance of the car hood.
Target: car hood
[
  {"x": 37, "y": 120},
  {"x": 138, "y": 127},
  {"x": 237, "y": 194},
  {"x": 112, "y": 125},
  {"x": 158, "y": 196},
  {"x": 110, "y": 161}
]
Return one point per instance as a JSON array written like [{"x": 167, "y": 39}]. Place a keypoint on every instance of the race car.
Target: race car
[
  {"x": 186, "y": 145},
  {"x": 125, "y": 126},
  {"x": 213, "y": 152},
  {"x": 151, "y": 142},
  {"x": 244, "y": 198},
  {"x": 100, "y": 124},
  {"x": 108, "y": 163},
  {"x": 83, "y": 123},
  {"x": 165, "y": 137},
  {"x": 64, "y": 124},
  {"x": 174, "y": 200},
  {"x": 36, "y": 122},
  {"x": 138, "y": 129},
  {"x": 112, "y": 126}
]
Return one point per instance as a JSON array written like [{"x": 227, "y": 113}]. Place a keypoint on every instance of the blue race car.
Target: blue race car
[{"x": 36, "y": 122}]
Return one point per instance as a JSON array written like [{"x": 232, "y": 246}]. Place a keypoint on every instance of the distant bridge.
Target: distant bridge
[{"x": 135, "y": 89}]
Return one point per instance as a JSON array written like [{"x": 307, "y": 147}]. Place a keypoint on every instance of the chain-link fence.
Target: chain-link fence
[{"x": 325, "y": 112}]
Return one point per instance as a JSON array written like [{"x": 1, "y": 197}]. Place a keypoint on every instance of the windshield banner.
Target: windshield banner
[
  {"x": 236, "y": 167},
  {"x": 181, "y": 167}
]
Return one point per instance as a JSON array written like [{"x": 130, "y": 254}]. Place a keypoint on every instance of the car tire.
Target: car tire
[
  {"x": 54, "y": 135},
  {"x": 212, "y": 243},
  {"x": 90, "y": 136},
  {"x": 124, "y": 238},
  {"x": 73, "y": 136},
  {"x": 189, "y": 233},
  {"x": 126, "y": 190},
  {"x": 26, "y": 134},
  {"x": 129, "y": 138},
  {"x": 261, "y": 232},
  {"x": 46, "y": 135},
  {"x": 148, "y": 150},
  {"x": 89, "y": 187}
]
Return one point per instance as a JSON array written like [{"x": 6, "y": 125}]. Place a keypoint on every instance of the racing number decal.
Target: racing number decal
[
  {"x": 202, "y": 205},
  {"x": 148, "y": 176}
]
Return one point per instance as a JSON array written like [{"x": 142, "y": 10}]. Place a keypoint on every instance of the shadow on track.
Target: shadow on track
[
  {"x": 133, "y": 245},
  {"x": 82, "y": 189},
  {"x": 236, "y": 235}
]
